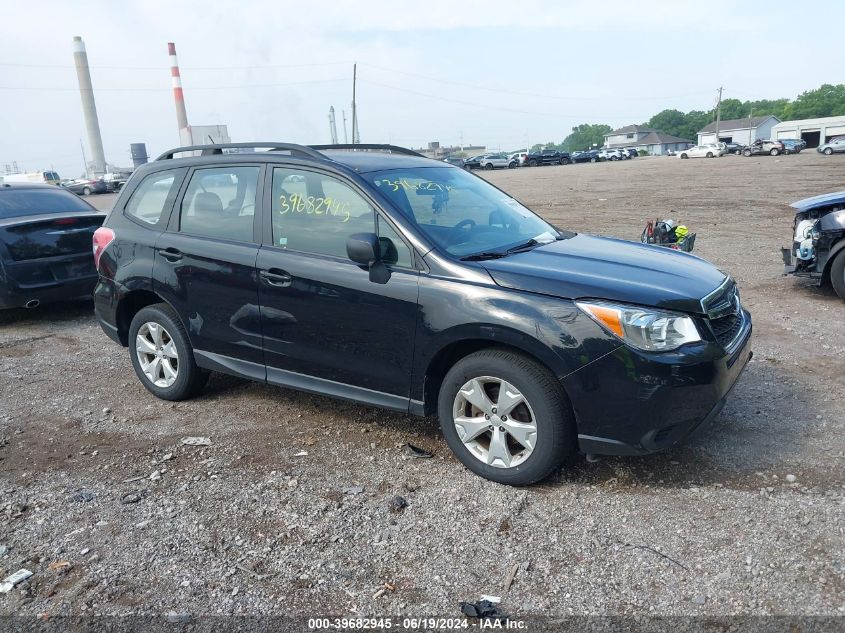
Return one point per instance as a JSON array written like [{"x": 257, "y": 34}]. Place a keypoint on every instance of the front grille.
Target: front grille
[{"x": 726, "y": 328}]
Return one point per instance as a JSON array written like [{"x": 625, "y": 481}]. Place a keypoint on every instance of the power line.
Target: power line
[{"x": 187, "y": 87}]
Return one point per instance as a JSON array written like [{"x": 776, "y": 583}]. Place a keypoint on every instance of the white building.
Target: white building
[
  {"x": 815, "y": 131},
  {"x": 653, "y": 141},
  {"x": 742, "y": 131}
]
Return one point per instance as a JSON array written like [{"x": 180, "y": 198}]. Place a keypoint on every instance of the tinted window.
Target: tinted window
[
  {"x": 220, "y": 203},
  {"x": 19, "y": 202},
  {"x": 393, "y": 249},
  {"x": 148, "y": 201},
  {"x": 315, "y": 213},
  {"x": 460, "y": 212}
]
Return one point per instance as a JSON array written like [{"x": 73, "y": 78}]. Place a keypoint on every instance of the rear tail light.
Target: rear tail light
[
  {"x": 65, "y": 221},
  {"x": 102, "y": 238}
]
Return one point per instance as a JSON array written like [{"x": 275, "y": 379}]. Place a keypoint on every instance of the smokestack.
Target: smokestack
[
  {"x": 89, "y": 108},
  {"x": 178, "y": 96},
  {"x": 332, "y": 126}
]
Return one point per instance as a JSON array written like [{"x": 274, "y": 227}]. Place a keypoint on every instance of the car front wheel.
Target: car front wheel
[
  {"x": 162, "y": 356},
  {"x": 747, "y": 153},
  {"x": 684, "y": 156},
  {"x": 828, "y": 151},
  {"x": 709, "y": 154},
  {"x": 506, "y": 417}
]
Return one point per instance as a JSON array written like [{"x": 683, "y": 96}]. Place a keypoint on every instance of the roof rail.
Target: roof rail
[
  {"x": 370, "y": 146},
  {"x": 217, "y": 148}
]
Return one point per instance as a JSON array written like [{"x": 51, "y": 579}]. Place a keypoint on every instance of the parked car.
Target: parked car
[
  {"x": 762, "y": 147},
  {"x": 547, "y": 157},
  {"x": 733, "y": 148},
  {"x": 497, "y": 161},
  {"x": 45, "y": 245},
  {"x": 793, "y": 146},
  {"x": 631, "y": 152},
  {"x": 473, "y": 162},
  {"x": 85, "y": 187},
  {"x": 835, "y": 146},
  {"x": 610, "y": 154},
  {"x": 818, "y": 241},
  {"x": 588, "y": 156},
  {"x": 454, "y": 160},
  {"x": 709, "y": 150},
  {"x": 398, "y": 281},
  {"x": 520, "y": 157}
]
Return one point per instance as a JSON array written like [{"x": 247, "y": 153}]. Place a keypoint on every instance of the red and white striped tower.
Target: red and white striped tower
[{"x": 179, "y": 97}]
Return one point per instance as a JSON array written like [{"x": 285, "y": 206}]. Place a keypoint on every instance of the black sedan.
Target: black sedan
[
  {"x": 45, "y": 245},
  {"x": 473, "y": 163},
  {"x": 85, "y": 187},
  {"x": 589, "y": 156},
  {"x": 734, "y": 148}
]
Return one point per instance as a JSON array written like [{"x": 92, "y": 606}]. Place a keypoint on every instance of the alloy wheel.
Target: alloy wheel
[
  {"x": 157, "y": 354},
  {"x": 495, "y": 422}
]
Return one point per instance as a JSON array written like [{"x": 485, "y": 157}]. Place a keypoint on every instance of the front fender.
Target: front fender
[{"x": 553, "y": 331}]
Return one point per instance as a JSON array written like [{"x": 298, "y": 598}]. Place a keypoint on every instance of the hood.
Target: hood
[
  {"x": 815, "y": 202},
  {"x": 585, "y": 266}
]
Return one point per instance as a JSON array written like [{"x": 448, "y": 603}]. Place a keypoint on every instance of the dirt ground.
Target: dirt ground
[{"x": 114, "y": 515}]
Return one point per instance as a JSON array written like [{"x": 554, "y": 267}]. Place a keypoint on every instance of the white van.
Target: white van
[{"x": 45, "y": 177}]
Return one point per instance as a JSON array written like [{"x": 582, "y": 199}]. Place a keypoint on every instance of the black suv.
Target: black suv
[{"x": 371, "y": 273}]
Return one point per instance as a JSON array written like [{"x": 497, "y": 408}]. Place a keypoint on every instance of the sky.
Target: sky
[{"x": 487, "y": 72}]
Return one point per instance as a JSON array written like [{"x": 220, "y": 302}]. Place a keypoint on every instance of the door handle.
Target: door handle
[
  {"x": 276, "y": 277},
  {"x": 171, "y": 254}
]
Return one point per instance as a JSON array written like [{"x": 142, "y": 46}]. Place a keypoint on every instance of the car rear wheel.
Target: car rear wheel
[
  {"x": 774, "y": 151},
  {"x": 162, "y": 356},
  {"x": 738, "y": 152},
  {"x": 684, "y": 156},
  {"x": 86, "y": 191},
  {"x": 592, "y": 160},
  {"x": 532, "y": 163},
  {"x": 837, "y": 274},
  {"x": 828, "y": 151},
  {"x": 709, "y": 154},
  {"x": 506, "y": 417},
  {"x": 488, "y": 166}
]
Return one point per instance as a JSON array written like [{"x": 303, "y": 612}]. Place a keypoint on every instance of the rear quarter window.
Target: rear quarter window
[{"x": 153, "y": 196}]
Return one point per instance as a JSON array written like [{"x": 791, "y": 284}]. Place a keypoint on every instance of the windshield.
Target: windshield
[
  {"x": 460, "y": 212},
  {"x": 15, "y": 203}
]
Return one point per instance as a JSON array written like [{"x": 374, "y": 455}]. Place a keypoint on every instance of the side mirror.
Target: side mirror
[{"x": 365, "y": 250}]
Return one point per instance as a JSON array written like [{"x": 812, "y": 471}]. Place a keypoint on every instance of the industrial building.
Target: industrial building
[
  {"x": 814, "y": 131},
  {"x": 743, "y": 131}
]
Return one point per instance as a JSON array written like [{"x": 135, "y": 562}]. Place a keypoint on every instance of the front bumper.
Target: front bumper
[{"x": 634, "y": 403}]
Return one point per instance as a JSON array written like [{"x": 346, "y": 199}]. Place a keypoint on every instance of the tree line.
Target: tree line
[{"x": 827, "y": 100}]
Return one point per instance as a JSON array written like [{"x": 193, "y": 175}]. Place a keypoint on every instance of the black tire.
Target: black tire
[
  {"x": 684, "y": 156},
  {"x": 827, "y": 151},
  {"x": 86, "y": 191},
  {"x": 747, "y": 153},
  {"x": 709, "y": 154},
  {"x": 592, "y": 160},
  {"x": 532, "y": 163},
  {"x": 512, "y": 165},
  {"x": 738, "y": 152},
  {"x": 190, "y": 379},
  {"x": 488, "y": 166},
  {"x": 556, "y": 436},
  {"x": 837, "y": 274},
  {"x": 774, "y": 151}
]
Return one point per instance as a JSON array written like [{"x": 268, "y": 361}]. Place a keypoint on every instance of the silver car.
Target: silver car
[
  {"x": 500, "y": 161},
  {"x": 836, "y": 146}
]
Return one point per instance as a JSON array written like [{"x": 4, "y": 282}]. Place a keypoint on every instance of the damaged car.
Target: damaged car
[{"x": 818, "y": 241}]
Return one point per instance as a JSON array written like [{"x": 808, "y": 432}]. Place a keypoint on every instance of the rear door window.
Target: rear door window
[
  {"x": 153, "y": 196},
  {"x": 220, "y": 202}
]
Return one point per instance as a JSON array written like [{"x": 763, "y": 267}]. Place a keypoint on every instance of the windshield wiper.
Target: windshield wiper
[
  {"x": 477, "y": 257},
  {"x": 523, "y": 247}
]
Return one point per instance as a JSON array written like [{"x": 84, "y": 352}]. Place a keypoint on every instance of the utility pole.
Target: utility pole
[
  {"x": 718, "y": 114},
  {"x": 345, "y": 137},
  {"x": 354, "y": 113}
]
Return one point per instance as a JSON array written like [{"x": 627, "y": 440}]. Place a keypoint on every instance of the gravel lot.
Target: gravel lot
[{"x": 114, "y": 515}]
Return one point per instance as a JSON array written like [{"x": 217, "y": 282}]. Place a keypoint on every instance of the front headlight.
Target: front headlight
[{"x": 644, "y": 328}]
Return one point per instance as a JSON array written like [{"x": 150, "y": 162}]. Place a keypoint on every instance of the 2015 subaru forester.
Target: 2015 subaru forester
[{"x": 374, "y": 274}]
